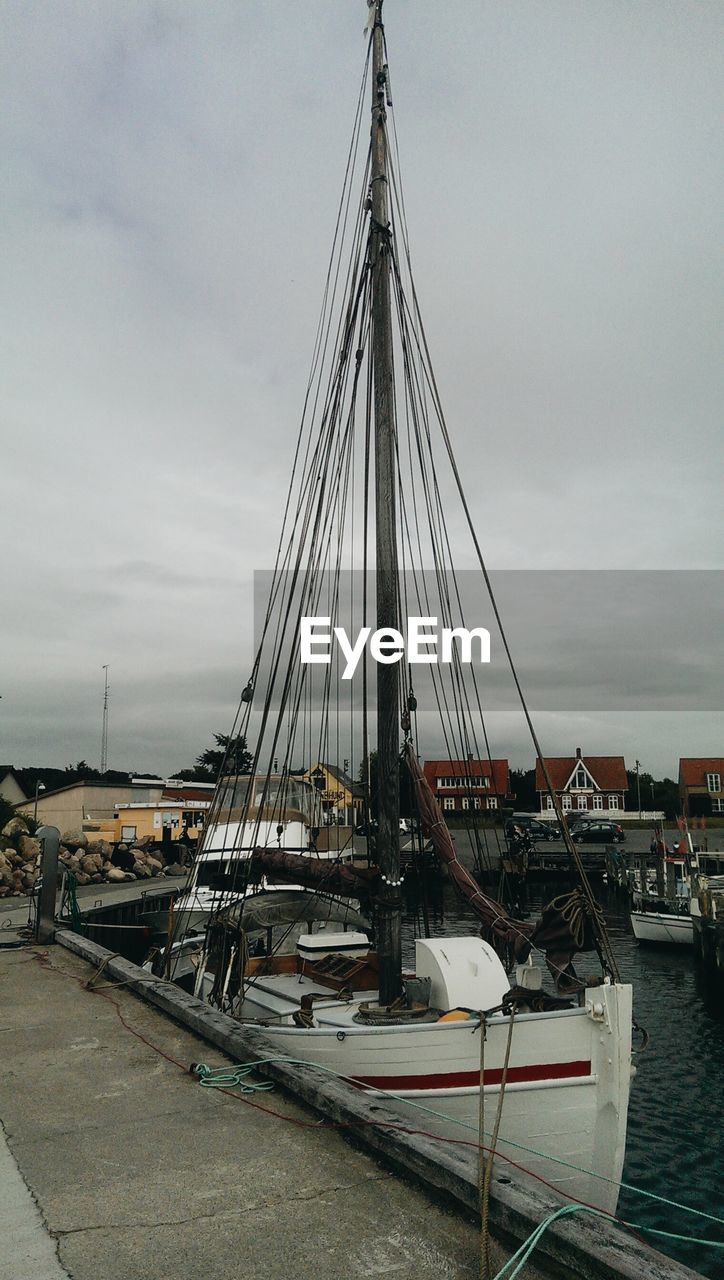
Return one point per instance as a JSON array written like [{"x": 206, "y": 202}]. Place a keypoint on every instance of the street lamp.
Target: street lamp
[{"x": 39, "y": 786}]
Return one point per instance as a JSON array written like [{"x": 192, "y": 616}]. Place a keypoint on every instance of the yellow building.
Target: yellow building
[{"x": 342, "y": 799}]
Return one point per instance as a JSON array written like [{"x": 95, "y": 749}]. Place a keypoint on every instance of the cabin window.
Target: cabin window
[
  {"x": 713, "y": 782},
  {"x": 613, "y": 802},
  {"x": 598, "y": 802}
]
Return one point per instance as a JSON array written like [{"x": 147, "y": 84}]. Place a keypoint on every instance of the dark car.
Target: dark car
[
  {"x": 600, "y": 832},
  {"x": 532, "y": 827},
  {"x": 580, "y": 818}
]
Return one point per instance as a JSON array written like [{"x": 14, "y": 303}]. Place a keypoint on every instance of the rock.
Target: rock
[
  {"x": 14, "y": 828},
  {"x": 97, "y": 878},
  {"x": 29, "y": 882},
  {"x": 29, "y": 848},
  {"x": 90, "y": 864},
  {"x": 122, "y": 858},
  {"x": 82, "y": 878},
  {"x": 141, "y": 870},
  {"x": 74, "y": 840},
  {"x": 114, "y": 874},
  {"x": 175, "y": 869},
  {"x": 154, "y": 866},
  {"x": 128, "y": 875}
]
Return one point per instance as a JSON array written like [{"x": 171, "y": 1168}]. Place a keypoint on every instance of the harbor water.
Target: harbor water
[{"x": 675, "y": 1148}]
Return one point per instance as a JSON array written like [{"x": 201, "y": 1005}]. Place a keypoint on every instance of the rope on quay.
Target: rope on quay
[
  {"x": 233, "y": 1077},
  {"x": 521, "y": 1256},
  {"x": 578, "y": 1206},
  {"x": 43, "y": 958}
]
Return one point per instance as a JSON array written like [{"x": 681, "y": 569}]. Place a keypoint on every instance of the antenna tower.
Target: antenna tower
[{"x": 104, "y": 737}]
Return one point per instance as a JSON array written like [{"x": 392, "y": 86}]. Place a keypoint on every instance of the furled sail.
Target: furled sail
[{"x": 315, "y": 873}]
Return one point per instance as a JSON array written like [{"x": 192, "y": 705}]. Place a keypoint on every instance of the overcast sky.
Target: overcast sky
[{"x": 172, "y": 171}]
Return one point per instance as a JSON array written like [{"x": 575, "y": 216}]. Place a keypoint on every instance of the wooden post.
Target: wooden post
[
  {"x": 388, "y": 792},
  {"x": 49, "y": 838}
]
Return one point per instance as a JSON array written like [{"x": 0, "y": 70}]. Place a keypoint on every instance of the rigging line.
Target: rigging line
[
  {"x": 444, "y": 533},
  {"x": 602, "y": 941},
  {"x": 327, "y": 302},
  {"x": 319, "y": 523}
]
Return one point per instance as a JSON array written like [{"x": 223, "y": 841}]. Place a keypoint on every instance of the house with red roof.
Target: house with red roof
[
  {"x": 464, "y": 786},
  {"x": 583, "y": 784},
  {"x": 700, "y": 786}
]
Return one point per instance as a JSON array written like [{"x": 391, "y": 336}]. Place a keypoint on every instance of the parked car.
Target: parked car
[
  {"x": 532, "y": 827},
  {"x": 601, "y": 832},
  {"x": 580, "y": 818}
]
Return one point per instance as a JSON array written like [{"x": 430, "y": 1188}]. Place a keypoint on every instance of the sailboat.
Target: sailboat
[
  {"x": 434, "y": 1034},
  {"x": 660, "y": 910}
]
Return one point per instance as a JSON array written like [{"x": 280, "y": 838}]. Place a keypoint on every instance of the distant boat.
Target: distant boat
[{"x": 657, "y": 917}]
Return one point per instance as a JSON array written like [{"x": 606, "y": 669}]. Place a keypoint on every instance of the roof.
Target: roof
[
  {"x": 341, "y": 777},
  {"x": 93, "y": 782},
  {"x": 179, "y": 794},
  {"x": 693, "y": 769},
  {"x": 9, "y": 769},
  {"x": 495, "y": 769},
  {"x": 608, "y": 772}
]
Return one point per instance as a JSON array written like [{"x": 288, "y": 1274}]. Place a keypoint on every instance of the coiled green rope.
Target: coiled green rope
[{"x": 232, "y": 1077}]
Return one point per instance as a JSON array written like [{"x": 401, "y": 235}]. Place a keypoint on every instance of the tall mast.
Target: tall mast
[{"x": 388, "y": 747}]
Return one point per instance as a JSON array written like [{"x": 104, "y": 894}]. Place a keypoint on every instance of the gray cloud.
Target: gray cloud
[{"x": 172, "y": 176}]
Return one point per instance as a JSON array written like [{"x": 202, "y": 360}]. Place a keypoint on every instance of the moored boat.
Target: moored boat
[{"x": 558, "y": 1066}]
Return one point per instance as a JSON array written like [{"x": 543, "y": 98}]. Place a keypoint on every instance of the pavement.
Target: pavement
[{"x": 117, "y": 1165}]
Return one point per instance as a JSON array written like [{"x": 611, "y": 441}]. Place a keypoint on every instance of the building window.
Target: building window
[
  {"x": 128, "y": 833},
  {"x": 598, "y": 801},
  {"x": 476, "y": 802},
  {"x": 583, "y": 802},
  {"x": 448, "y": 803},
  {"x": 465, "y": 803},
  {"x": 566, "y": 803},
  {"x": 713, "y": 782},
  {"x": 492, "y": 802},
  {"x": 613, "y": 802},
  {"x": 717, "y": 805},
  {"x": 549, "y": 802},
  {"x": 580, "y": 778},
  {"x": 486, "y": 783}
]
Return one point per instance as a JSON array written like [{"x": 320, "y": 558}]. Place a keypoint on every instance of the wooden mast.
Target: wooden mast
[{"x": 388, "y": 747}]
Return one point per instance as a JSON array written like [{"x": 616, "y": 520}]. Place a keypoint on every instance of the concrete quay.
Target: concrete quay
[{"x": 116, "y": 1165}]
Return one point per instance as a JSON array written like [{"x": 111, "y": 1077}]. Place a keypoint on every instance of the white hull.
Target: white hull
[
  {"x": 566, "y": 1097},
  {"x": 657, "y": 926}
]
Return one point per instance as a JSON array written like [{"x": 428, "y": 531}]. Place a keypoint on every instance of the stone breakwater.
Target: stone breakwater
[{"x": 91, "y": 861}]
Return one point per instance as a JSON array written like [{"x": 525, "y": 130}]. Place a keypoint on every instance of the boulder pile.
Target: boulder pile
[{"x": 91, "y": 861}]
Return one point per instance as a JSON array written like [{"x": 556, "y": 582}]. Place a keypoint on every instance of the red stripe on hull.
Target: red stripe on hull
[{"x": 469, "y": 1079}]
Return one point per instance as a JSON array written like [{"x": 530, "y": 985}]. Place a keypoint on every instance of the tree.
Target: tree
[
  {"x": 522, "y": 784},
  {"x": 209, "y": 763},
  {"x": 83, "y": 772}
]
